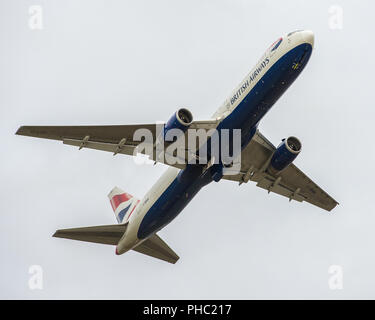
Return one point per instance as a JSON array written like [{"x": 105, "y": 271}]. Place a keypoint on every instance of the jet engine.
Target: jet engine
[
  {"x": 181, "y": 120},
  {"x": 285, "y": 154}
]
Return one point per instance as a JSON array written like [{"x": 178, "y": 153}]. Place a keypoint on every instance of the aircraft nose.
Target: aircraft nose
[{"x": 308, "y": 37}]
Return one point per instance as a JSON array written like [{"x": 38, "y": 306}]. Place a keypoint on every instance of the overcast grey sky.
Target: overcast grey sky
[{"x": 120, "y": 62}]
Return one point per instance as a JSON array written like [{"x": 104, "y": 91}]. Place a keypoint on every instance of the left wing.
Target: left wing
[
  {"x": 290, "y": 182},
  {"x": 113, "y": 138}
]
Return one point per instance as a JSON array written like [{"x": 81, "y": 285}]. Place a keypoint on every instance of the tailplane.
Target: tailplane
[
  {"x": 123, "y": 204},
  {"x": 155, "y": 247},
  {"x": 110, "y": 234}
]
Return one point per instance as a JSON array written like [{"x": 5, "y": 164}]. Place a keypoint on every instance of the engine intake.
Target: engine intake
[
  {"x": 181, "y": 120},
  {"x": 285, "y": 154}
]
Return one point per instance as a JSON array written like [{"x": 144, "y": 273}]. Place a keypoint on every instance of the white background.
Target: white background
[{"x": 123, "y": 62}]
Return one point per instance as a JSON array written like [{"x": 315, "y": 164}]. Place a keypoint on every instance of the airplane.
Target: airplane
[{"x": 270, "y": 167}]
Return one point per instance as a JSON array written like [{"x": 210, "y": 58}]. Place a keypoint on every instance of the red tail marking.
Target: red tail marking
[{"x": 118, "y": 199}]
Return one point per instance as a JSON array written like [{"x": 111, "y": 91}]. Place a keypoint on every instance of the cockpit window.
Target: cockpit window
[{"x": 276, "y": 44}]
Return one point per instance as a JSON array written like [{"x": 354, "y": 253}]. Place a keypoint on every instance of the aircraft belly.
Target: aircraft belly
[{"x": 173, "y": 200}]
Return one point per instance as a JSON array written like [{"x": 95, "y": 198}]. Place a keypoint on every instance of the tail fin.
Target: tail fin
[{"x": 123, "y": 204}]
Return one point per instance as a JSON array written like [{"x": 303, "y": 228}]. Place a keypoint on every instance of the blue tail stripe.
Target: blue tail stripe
[{"x": 122, "y": 213}]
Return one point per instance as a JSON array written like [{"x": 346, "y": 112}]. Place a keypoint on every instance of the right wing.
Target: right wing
[
  {"x": 113, "y": 138},
  {"x": 291, "y": 182}
]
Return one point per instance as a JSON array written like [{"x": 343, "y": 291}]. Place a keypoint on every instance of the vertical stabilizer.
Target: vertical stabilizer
[{"x": 123, "y": 204}]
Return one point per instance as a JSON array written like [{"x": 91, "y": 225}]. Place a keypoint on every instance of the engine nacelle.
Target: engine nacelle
[
  {"x": 181, "y": 120},
  {"x": 285, "y": 154}
]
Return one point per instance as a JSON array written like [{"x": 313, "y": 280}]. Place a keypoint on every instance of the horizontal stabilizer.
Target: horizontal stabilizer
[
  {"x": 109, "y": 234},
  {"x": 155, "y": 247}
]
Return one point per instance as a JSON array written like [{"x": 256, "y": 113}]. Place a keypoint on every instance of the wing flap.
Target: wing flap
[
  {"x": 108, "y": 234},
  {"x": 269, "y": 185},
  {"x": 155, "y": 247},
  {"x": 109, "y": 147}
]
